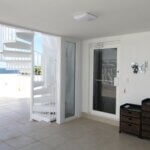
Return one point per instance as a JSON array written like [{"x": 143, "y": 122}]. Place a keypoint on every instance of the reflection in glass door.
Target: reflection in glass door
[
  {"x": 104, "y": 91},
  {"x": 70, "y": 79}
]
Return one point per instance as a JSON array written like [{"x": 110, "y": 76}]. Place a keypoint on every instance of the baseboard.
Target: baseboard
[{"x": 100, "y": 119}]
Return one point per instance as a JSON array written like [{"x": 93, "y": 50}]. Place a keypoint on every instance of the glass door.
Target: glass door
[
  {"x": 105, "y": 69},
  {"x": 70, "y": 52}
]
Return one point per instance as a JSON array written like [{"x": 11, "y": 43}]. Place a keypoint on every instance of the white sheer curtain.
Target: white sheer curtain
[{"x": 70, "y": 79}]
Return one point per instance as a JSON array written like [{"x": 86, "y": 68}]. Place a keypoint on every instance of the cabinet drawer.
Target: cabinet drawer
[
  {"x": 130, "y": 120},
  {"x": 145, "y": 134},
  {"x": 146, "y": 120},
  {"x": 146, "y": 107},
  {"x": 146, "y": 127},
  {"x": 130, "y": 113},
  {"x": 130, "y": 128},
  {"x": 146, "y": 114}
]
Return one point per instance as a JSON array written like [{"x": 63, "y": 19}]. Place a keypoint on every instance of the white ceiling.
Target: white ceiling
[{"x": 56, "y": 16}]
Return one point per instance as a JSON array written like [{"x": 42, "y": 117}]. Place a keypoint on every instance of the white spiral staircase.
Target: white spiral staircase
[
  {"x": 17, "y": 54},
  {"x": 43, "y": 103}
]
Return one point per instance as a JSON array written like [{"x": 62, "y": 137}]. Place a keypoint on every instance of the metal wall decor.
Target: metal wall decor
[{"x": 139, "y": 68}]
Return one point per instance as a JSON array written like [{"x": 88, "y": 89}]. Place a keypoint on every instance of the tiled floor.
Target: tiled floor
[{"x": 17, "y": 133}]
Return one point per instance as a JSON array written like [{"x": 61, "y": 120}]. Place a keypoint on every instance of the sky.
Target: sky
[{"x": 38, "y": 42}]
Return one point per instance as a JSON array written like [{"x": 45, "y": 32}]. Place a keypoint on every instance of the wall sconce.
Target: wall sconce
[{"x": 139, "y": 68}]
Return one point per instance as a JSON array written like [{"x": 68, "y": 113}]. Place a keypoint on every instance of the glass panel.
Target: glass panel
[
  {"x": 70, "y": 79},
  {"x": 104, "y": 92}
]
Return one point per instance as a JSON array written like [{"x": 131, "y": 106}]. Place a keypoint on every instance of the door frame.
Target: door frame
[
  {"x": 103, "y": 45},
  {"x": 61, "y": 101}
]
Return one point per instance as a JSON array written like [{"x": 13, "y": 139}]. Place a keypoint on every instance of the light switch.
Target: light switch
[{"x": 124, "y": 91}]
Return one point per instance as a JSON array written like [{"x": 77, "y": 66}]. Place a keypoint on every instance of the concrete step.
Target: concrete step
[
  {"x": 18, "y": 45},
  {"x": 16, "y": 54},
  {"x": 27, "y": 36}
]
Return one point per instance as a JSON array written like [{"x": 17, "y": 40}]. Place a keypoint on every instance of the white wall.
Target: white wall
[
  {"x": 15, "y": 86},
  {"x": 133, "y": 48}
]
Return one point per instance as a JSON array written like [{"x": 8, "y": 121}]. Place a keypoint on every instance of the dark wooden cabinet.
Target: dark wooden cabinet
[
  {"x": 130, "y": 119},
  {"x": 135, "y": 119},
  {"x": 145, "y": 130}
]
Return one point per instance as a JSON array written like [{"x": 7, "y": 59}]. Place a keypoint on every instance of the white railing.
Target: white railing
[{"x": 8, "y": 34}]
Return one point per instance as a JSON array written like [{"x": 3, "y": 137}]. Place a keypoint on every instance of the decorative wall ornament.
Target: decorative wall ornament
[
  {"x": 139, "y": 68},
  {"x": 95, "y": 45},
  {"x": 102, "y": 44},
  {"x": 135, "y": 67}
]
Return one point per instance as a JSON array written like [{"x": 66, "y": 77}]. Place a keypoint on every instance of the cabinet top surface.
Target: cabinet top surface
[{"x": 131, "y": 107}]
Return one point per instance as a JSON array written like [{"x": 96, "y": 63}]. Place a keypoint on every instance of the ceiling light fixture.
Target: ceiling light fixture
[{"x": 84, "y": 16}]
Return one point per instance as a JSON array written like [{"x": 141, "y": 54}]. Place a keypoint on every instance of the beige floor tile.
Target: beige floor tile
[
  {"x": 4, "y": 146},
  {"x": 37, "y": 146},
  {"x": 20, "y": 141},
  {"x": 75, "y": 145},
  {"x": 54, "y": 140},
  {"x": 9, "y": 134},
  {"x": 39, "y": 134},
  {"x": 18, "y": 133}
]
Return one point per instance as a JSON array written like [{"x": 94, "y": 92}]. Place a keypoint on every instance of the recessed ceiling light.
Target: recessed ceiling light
[{"x": 84, "y": 16}]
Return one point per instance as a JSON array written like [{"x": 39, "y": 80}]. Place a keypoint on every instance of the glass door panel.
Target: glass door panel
[
  {"x": 104, "y": 91},
  {"x": 70, "y": 49}
]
